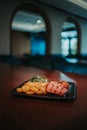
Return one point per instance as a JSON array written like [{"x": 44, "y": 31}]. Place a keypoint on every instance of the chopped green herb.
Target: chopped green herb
[{"x": 38, "y": 79}]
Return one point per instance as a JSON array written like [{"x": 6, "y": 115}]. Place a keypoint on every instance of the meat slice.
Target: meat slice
[
  {"x": 59, "y": 88},
  {"x": 63, "y": 91},
  {"x": 64, "y": 84}
]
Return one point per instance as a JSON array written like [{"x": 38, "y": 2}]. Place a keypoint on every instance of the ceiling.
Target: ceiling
[
  {"x": 28, "y": 22},
  {"x": 32, "y": 22},
  {"x": 77, "y": 7},
  {"x": 81, "y": 3}
]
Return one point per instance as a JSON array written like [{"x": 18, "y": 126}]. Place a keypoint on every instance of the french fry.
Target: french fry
[
  {"x": 35, "y": 90},
  {"x": 19, "y": 90},
  {"x": 23, "y": 88},
  {"x": 27, "y": 88},
  {"x": 30, "y": 92}
]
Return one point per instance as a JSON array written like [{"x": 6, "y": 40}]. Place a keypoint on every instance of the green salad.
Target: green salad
[{"x": 38, "y": 79}]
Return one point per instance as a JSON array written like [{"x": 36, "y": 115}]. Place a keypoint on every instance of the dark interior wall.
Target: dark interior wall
[{"x": 20, "y": 43}]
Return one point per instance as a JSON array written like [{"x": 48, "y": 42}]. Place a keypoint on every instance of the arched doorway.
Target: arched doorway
[{"x": 30, "y": 31}]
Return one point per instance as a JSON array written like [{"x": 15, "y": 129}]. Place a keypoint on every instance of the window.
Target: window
[{"x": 69, "y": 39}]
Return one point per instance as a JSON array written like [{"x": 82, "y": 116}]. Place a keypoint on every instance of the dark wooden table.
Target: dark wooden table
[{"x": 18, "y": 113}]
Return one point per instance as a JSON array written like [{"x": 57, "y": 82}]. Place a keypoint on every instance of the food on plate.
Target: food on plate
[
  {"x": 59, "y": 88},
  {"x": 33, "y": 88},
  {"x": 40, "y": 85}
]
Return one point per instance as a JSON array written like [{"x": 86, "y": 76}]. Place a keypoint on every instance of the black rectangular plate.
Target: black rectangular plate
[{"x": 69, "y": 96}]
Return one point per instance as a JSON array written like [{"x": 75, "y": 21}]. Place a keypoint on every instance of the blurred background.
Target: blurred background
[{"x": 44, "y": 34}]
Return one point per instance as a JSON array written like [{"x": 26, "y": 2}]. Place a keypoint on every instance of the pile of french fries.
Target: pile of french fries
[{"x": 31, "y": 88}]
